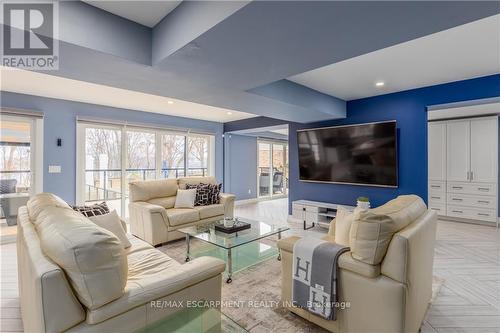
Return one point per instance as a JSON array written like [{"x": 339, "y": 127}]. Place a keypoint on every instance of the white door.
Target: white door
[
  {"x": 484, "y": 149},
  {"x": 436, "y": 147},
  {"x": 458, "y": 150}
]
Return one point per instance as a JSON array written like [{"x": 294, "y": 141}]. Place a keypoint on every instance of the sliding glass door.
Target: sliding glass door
[
  {"x": 21, "y": 166},
  {"x": 15, "y": 155},
  {"x": 173, "y": 151},
  {"x": 114, "y": 156},
  {"x": 279, "y": 165},
  {"x": 103, "y": 166},
  {"x": 198, "y": 147},
  {"x": 140, "y": 159},
  {"x": 263, "y": 168},
  {"x": 21, "y": 154},
  {"x": 272, "y": 168}
]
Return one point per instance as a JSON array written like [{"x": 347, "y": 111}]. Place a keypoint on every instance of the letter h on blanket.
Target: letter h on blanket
[{"x": 315, "y": 275}]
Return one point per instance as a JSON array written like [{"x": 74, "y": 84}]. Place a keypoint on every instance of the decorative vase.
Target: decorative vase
[
  {"x": 365, "y": 205},
  {"x": 228, "y": 222}
]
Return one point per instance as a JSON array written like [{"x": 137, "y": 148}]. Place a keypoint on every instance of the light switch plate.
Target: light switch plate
[{"x": 54, "y": 169}]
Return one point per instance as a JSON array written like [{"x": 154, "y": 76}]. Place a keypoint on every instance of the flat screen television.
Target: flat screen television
[{"x": 364, "y": 154}]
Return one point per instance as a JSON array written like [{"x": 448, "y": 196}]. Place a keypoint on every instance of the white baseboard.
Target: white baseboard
[
  {"x": 246, "y": 201},
  {"x": 469, "y": 221},
  {"x": 255, "y": 200},
  {"x": 292, "y": 219}
]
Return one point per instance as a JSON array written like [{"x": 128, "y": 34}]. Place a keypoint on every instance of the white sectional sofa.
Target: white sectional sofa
[
  {"x": 77, "y": 277},
  {"x": 153, "y": 217}
]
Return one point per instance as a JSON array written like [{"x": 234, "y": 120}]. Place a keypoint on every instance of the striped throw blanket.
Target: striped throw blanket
[{"x": 315, "y": 276}]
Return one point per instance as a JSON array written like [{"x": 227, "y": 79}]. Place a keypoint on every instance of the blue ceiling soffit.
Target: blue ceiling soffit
[
  {"x": 236, "y": 55},
  {"x": 294, "y": 93}
]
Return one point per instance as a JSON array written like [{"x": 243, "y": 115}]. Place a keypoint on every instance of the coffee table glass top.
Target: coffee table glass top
[
  {"x": 257, "y": 231},
  {"x": 194, "y": 320}
]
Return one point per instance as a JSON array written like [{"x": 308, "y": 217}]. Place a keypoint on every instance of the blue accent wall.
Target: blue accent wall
[
  {"x": 60, "y": 122},
  {"x": 408, "y": 108},
  {"x": 240, "y": 166}
]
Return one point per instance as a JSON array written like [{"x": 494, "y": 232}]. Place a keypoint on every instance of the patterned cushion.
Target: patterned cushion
[
  {"x": 202, "y": 194},
  {"x": 214, "y": 194},
  {"x": 206, "y": 194},
  {"x": 94, "y": 210}
]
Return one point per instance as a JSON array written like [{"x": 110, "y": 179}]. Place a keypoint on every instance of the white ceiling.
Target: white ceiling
[
  {"x": 38, "y": 84},
  {"x": 467, "y": 51},
  {"x": 147, "y": 13}
]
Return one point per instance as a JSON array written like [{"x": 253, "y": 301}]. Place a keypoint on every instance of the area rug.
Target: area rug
[{"x": 253, "y": 297}]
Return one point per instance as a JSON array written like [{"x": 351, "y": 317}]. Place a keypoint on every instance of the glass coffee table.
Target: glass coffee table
[
  {"x": 244, "y": 246},
  {"x": 194, "y": 320}
]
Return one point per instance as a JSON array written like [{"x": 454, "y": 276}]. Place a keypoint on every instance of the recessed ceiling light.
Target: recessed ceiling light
[
  {"x": 379, "y": 84},
  {"x": 229, "y": 113},
  {"x": 170, "y": 102}
]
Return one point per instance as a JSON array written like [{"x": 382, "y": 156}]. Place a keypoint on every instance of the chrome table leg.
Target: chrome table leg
[
  {"x": 229, "y": 266},
  {"x": 187, "y": 247}
]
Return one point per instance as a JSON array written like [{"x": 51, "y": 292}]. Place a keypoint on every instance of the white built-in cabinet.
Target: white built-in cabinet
[
  {"x": 437, "y": 164},
  {"x": 463, "y": 168},
  {"x": 457, "y": 150}
]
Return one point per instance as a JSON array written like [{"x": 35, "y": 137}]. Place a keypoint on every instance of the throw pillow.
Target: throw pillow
[
  {"x": 343, "y": 222},
  {"x": 214, "y": 194},
  {"x": 113, "y": 223},
  {"x": 185, "y": 198},
  {"x": 94, "y": 210},
  {"x": 202, "y": 193}
]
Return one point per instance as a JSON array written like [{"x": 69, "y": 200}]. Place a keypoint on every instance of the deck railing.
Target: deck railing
[{"x": 104, "y": 189}]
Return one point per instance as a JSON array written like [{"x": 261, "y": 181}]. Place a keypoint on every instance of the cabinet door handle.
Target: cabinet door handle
[
  {"x": 468, "y": 175},
  {"x": 457, "y": 211},
  {"x": 457, "y": 199},
  {"x": 483, "y": 201},
  {"x": 472, "y": 175},
  {"x": 457, "y": 187},
  {"x": 483, "y": 214},
  {"x": 436, "y": 208},
  {"x": 435, "y": 197},
  {"x": 484, "y": 189},
  {"x": 435, "y": 186}
]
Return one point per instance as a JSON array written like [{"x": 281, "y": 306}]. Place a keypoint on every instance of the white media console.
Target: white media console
[{"x": 311, "y": 213}]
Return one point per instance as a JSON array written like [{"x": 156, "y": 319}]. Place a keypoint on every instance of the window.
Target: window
[
  {"x": 172, "y": 155},
  {"x": 114, "y": 156}
]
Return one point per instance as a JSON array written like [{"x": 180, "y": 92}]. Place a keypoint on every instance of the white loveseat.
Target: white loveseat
[
  {"x": 77, "y": 277},
  {"x": 153, "y": 217}
]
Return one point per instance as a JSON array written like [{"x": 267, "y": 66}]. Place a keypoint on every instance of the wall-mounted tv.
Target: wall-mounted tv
[{"x": 364, "y": 154}]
